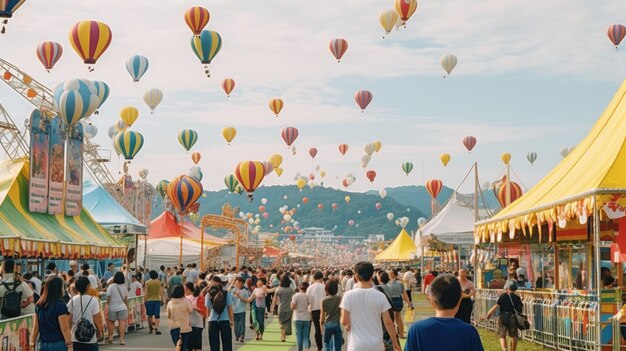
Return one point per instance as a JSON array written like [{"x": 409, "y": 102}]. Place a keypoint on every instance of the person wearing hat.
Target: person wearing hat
[{"x": 508, "y": 303}]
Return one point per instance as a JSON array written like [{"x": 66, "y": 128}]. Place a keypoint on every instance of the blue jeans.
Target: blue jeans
[
  {"x": 78, "y": 346},
  {"x": 176, "y": 335},
  {"x": 332, "y": 330},
  {"x": 52, "y": 346},
  {"x": 240, "y": 325},
  {"x": 260, "y": 318},
  {"x": 303, "y": 330}
]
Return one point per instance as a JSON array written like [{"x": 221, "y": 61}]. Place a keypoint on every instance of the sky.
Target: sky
[{"x": 532, "y": 76}]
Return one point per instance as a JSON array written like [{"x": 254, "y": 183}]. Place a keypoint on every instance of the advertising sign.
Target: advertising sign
[
  {"x": 74, "y": 159},
  {"x": 39, "y": 154}
]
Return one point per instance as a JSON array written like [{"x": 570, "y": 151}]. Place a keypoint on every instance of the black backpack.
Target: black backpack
[
  {"x": 218, "y": 299},
  {"x": 11, "y": 301},
  {"x": 85, "y": 330}
]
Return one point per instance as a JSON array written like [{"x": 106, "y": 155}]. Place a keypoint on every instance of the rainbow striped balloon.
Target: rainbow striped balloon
[
  {"x": 90, "y": 39},
  {"x": 197, "y": 18},
  {"x": 206, "y": 45},
  {"x": 250, "y": 174},
  {"x": 49, "y": 53},
  {"x": 187, "y": 138},
  {"x": 129, "y": 143},
  {"x": 183, "y": 191}
]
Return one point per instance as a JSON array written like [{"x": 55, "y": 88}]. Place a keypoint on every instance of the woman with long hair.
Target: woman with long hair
[
  {"x": 117, "y": 301},
  {"x": 194, "y": 341},
  {"x": 178, "y": 311},
  {"x": 52, "y": 325},
  {"x": 282, "y": 298}
]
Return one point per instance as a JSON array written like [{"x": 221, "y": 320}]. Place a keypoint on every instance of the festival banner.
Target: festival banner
[
  {"x": 39, "y": 153},
  {"x": 15, "y": 332},
  {"x": 57, "y": 167},
  {"x": 74, "y": 159}
]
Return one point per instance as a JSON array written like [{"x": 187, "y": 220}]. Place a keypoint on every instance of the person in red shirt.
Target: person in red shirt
[{"x": 427, "y": 280}]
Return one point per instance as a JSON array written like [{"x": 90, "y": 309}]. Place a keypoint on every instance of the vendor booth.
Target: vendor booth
[
  {"x": 165, "y": 252},
  {"x": 567, "y": 236},
  {"x": 400, "y": 250},
  {"x": 108, "y": 212}
]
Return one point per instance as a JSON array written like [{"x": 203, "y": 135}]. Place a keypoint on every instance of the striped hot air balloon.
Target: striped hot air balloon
[
  {"x": 228, "y": 85},
  {"x": 250, "y": 174},
  {"x": 8, "y": 7},
  {"x": 152, "y": 98},
  {"x": 129, "y": 143},
  {"x": 343, "y": 148},
  {"x": 388, "y": 20},
  {"x": 231, "y": 183},
  {"x": 434, "y": 186},
  {"x": 501, "y": 191},
  {"x": 206, "y": 45},
  {"x": 162, "y": 188},
  {"x": 187, "y": 138},
  {"x": 49, "y": 53},
  {"x": 137, "y": 66},
  {"x": 363, "y": 98},
  {"x": 405, "y": 9},
  {"x": 532, "y": 157},
  {"x": 338, "y": 48},
  {"x": 102, "y": 90},
  {"x": 289, "y": 135},
  {"x": 197, "y": 18},
  {"x": 469, "y": 142},
  {"x": 75, "y": 99},
  {"x": 90, "y": 39},
  {"x": 407, "y": 167},
  {"x": 195, "y": 157},
  {"x": 448, "y": 62},
  {"x": 616, "y": 33},
  {"x": 276, "y": 105},
  {"x": 183, "y": 192}
]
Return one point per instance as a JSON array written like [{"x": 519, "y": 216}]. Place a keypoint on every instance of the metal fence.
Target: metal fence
[{"x": 559, "y": 320}]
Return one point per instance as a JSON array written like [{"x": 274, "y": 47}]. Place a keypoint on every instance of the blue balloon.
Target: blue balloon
[
  {"x": 102, "y": 90},
  {"x": 137, "y": 66},
  {"x": 75, "y": 99}
]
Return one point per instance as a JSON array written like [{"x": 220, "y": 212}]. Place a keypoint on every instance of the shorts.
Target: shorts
[
  {"x": 511, "y": 329},
  {"x": 153, "y": 308},
  {"x": 118, "y": 316}
]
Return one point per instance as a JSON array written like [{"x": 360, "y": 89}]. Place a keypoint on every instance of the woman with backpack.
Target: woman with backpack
[
  {"x": 398, "y": 296},
  {"x": 85, "y": 317},
  {"x": 178, "y": 311},
  {"x": 508, "y": 303},
  {"x": 117, "y": 301},
  {"x": 52, "y": 325}
]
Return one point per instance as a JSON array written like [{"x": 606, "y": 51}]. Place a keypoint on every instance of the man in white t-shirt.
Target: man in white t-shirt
[
  {"x": 13, "y": 283},
  {"x": 361, "y": 311},
  {"x": 409, "y": 282},
  {"x": 317, "y": 291}
]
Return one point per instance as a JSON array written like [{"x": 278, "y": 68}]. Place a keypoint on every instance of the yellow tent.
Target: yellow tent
[
  {"x": 581, "y": 183},
  {"x": 401, "y": 249}
]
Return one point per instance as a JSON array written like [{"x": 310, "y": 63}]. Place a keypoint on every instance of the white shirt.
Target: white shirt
[
  {"x": 117, "y": 292},
  {"x": 317, "y": 291},
  {"x": 302, "y": 302},
  {"x": 350, "y": 284},
  {"x": 93, "y": 280},
  {"x": 37, "y": 283},
  {"x": 366, "y": 307},
  {"x": 133, "y": 289},
  {"x": 90, "y": 308},
  {"x": 409, "y": 279}
]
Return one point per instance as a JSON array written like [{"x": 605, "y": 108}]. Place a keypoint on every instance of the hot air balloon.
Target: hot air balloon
[
  {"x": 289, "y": 135},
  {"x": 405, "y": 9},
  {"x": 407, "y": 167},
  {"x": 231, "y": 183},
  {"x": 434, "y": 186},
  {"x": 445, "y": 158},
  {"x": 111, "y": 132},
  {"x": 301, "y": 183},
  {"x": 565, "y": 151},
  {"x": 129, "y": 115},
  {"x": 120, "y": 126},
  {"x": 389, "y": 216},
  {"x": 162, "y": 188},
  {"x": 377, "y": 146},
  {"x": 195, "y": 157},
  {"x": 49, "y": 53},
  {"x": 365, "y": 160},
  {"x": 90, "y": 39},
  {"x": 532, "y": 157},
  {"x": 129, "y": 143},
  {"x": 347, "y": 199},
  {"x": 506, "y": 158},
  {"x": 387, "y": 20},
  {"x": 363, "y": 98},
  {"x": 338, "y": 47},
  {"x": 469, "y": 142},
  {"x": 313, "y": 152},
  {"x": 196, "y": 172},
  {"x": 266, "y": 215},
  {"x": 183, "y": 192},
  {"x": 322, "y": 174},
  {"x": 276, "y": 105},
  {"x": 343, "y": 148},
  {"x": 305, "y": 200},
  {"x": 276, "y": 160},
  {"x": 102, "y": 91},
  {"x": 267, "y": 167},
  {"x": 89, "y": 130},
  {"x": 421, "y": 221},
  {"x": 501, "y": 192},
  {"x": 229, "y": 134},
  {"x": 369, "y": 148},
  {"x": 187, "y": 138},
  {"x": 8, "y": 8},
  {"x": 371, "y": 175},
  {"x": 278, "y": 171},
  {"x": 137, "y": 66},
  {"x": 228, "y": 85},
  {"x": 152, "y": 98},
  {"x": 206, "y": 46},
  {"x": 382, "y": 193},
  {"x": 616, "y": 33},
  {"x": 197, "y": 18},
  {"x": 448, "y": 62},
  {"x": 334, "y": 206},
  {"x": 378, "y": 206},
  {"x": 351, "y": 222},
  {"x": 250, "y": 174},
  {"x": 75, "y": 99},
  {"x": 403, "y": 222}
]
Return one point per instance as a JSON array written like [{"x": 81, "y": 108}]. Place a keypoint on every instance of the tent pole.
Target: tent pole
[
  {"x": 202, "y": 228},
  {"x": 598, "y": 278},
  {"x": 180, "y": 255},
  {"x": 476, "y": 218},
  {"x": 508, "y": 185}
]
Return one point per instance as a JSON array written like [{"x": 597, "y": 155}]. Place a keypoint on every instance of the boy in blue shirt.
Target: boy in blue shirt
[
  {"x": 240, "y": 293},
  {"x": 443, "y": 332}
]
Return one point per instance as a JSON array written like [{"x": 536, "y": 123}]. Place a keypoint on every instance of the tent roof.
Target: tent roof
[
  {"x": 108, "y": 212},
  {"x": 401, "y": 249},
  {"x": 166, "y": 226},
  {"x": 596, "y": 166},
  {"x": 272, "y": 251},
  {"x": 40, "y": 233},
  {"x": 453, "y": 224},
  {"x": 166, "y": 251}
]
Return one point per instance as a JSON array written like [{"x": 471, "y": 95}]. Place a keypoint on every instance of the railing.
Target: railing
[
  {"x": 562, "y": 321},
  {"x": 136, "y": 313}
]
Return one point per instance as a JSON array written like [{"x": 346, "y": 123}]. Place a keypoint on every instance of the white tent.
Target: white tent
[
  {"x": 453, "y": 224},
  {"x": 166, "y": 252}
]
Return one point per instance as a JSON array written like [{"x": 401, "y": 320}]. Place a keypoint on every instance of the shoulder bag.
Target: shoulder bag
[{"x": 521, "y": 319}]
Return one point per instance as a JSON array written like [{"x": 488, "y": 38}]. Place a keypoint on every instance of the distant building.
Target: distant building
[
  {"x": 320, "y": 234},
  {"x": 375, "y": 238}
]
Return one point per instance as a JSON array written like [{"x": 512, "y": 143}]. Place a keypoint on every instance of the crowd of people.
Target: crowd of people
[{"x": 332, "y": 253}]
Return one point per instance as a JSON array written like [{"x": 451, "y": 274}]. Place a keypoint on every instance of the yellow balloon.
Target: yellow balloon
[
  {"x": 276, "y": 160},
  {"x": 506, "y": 158},
  {"x": 347, "y": 198},
  {"x": 229, "y": 134},
  {"x": 388, "y": 20},
  {"x": 377, "y": 145},
  {"x": 301, "y": 183},
  {"x": 445, "y": 158},
  {"x": 129, "y": 115},
  {"x": 278, "y": 170},
  {"x": 322, "y": 174}
]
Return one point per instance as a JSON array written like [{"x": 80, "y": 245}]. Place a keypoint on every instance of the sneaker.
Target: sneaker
[
  {"x": 151, "y": 331},
  {"x": 158, "y": 332}
]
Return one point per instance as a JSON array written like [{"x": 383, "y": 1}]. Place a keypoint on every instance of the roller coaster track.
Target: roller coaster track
[{"x": 15, "y": 144}]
